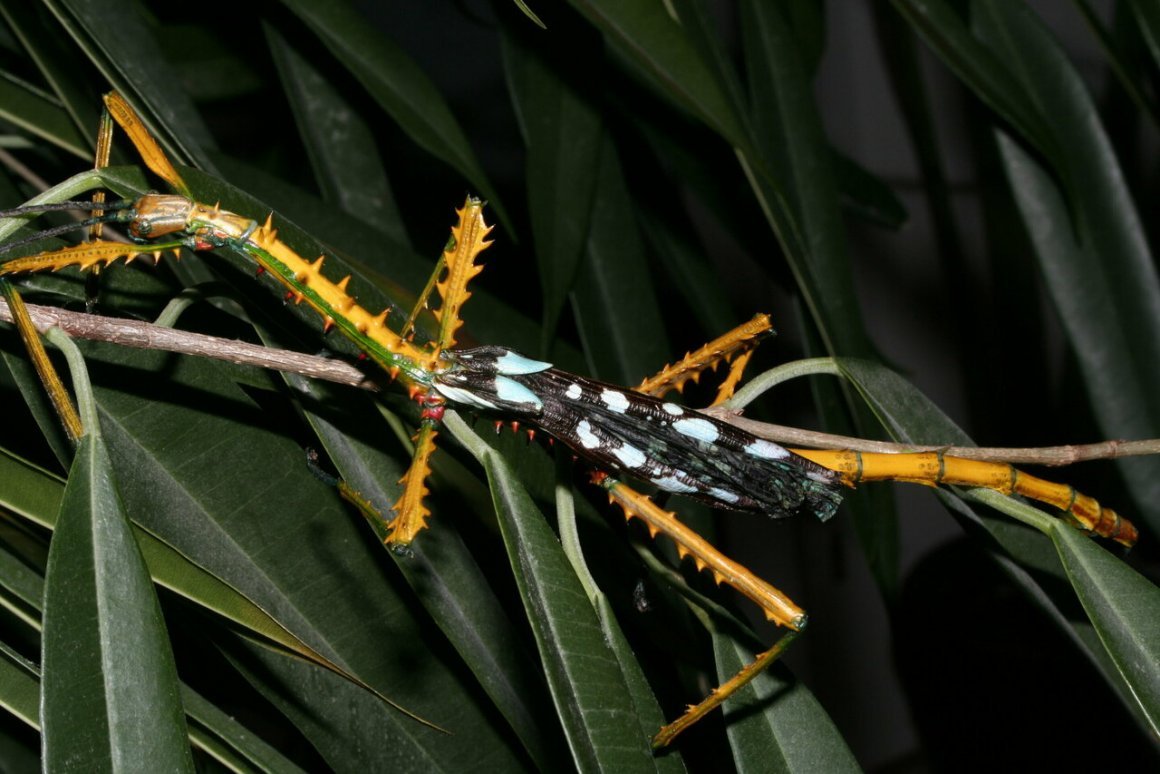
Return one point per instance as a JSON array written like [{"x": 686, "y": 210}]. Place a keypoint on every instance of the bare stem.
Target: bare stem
[
  {"x": 142, "y": 335},
  {"x": 1041, "y": 455},
  {"x": 132, "y": 333}
]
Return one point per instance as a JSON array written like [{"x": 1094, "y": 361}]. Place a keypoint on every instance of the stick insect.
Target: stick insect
[{"x": 621, "y": 433}]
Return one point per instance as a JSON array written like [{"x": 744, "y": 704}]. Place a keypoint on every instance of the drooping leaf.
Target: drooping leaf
[
  {"x": 110, "y": 696},
  {"x": 590, "y": 692}
]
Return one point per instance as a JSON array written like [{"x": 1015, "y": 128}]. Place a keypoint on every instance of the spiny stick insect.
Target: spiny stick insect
[{"x": 619, "y": 432}]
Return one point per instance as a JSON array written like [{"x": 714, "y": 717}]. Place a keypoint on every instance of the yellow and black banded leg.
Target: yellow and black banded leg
[
  {"x": 936, "y": 469},
  {"x": 927, "y": 468}
]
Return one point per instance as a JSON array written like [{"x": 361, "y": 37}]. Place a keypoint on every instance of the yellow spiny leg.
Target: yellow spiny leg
[
  {"x": 147, "y": 147},
  {"x": 100, "y": 161},
  {"x": 733, "y": 378},
  {"x": 53, "y": 385},
  {"x": 379, "y": 523},
  {"x": 425, "y": 296},
  {"x": 468, "y": 240},
  {"x": 738, "y": 341},
  {"x": 85, "y": 256},
  {"x": 935, "y": 469},
  {"x": 775, "y": 605},
  {"x": 410, "y": 512},
  {"x": 722, "y": 692}
]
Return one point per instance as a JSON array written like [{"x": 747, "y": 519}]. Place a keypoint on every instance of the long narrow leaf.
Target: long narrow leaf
[
  {"x": 1122, "y": 605},
  {"x": 110, "y": 697},
  {"x": 590, "y": 692},
  {"x": 400, "y": 87},
  {"x": 563, "y": 133},
  {"x": 1089, "y": 242},
  {"x": 340, "y": 144},
  {"x": 776, "y": 724},
  {"x": 19, "y": 687},
  {"x": 445, "y": 576},
  {"x": 1125, "y": 609},
  {"x": 983, "y": 70}
]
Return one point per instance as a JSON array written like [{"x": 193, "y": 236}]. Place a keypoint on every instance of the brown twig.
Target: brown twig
[
  {"x": 142, "y": 335},
  {"x": 1043, "y": 455},
  {"x": 131, "y": 333}
]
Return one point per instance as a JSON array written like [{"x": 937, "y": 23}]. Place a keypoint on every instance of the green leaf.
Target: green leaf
[
  {"x": 529, "y": 13},
  {"x": 128, "y": 53},
  {"x": 228, "y": 742},
  {"x": 400, "y": 88},
  {"x": 1147, "y": 15},
  {"x": 1118, "y": 56},
  {"x": 36, "y": 495},
  {"x": 644, "y": 703},
  {"x": 65, "y": 71},
  {"x": 289, "y": 546},
  {"x": 867, "y": 194},
  {"x": 110, "y": 695},
  {"x": 1120, "y": 604},
  {"x": 1090, "y": 245},
  {"x": 712, "y": 163},
  {"x": 775, "y": 723},
  {"x": 443, "y": 574},
  {"x": 1082, "y": 281},
  {"x": 35, "y": 113},
  {"x": 334, "y": 726},
  {"x": 616, "y": 305},
  {"x": 696, "y": 280},
  {"x": 19, "y": 686},
  {"x": 563, "y": 133},
  {"x": 653, "y": 40},
  {"x": 591, "y": 694},
  {"x": 1125, "y": 609},
  {"x": 983, "y": 70},
  {"x": 794, "y": 175},
  {"x": 21, "y": 588},
  {"x": 340, "y": 144}
]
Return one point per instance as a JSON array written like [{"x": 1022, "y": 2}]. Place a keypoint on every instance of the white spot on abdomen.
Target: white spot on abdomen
[
  {"x": 614, "y": 400},
  {"x": 701, "y": 429},
  {"x": 766, "y": 450},
  {"x": 584, "y": 432},
  {"x": 629, "y": 456},
  {"x": 573, "y": 392},
  {"x": 515, "y": 364},
  {"x": 724, "y": 495},
  {"x": 673, "y": 484}
]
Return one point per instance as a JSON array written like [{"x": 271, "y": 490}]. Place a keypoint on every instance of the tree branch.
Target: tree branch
[
  {"x": 132, "y": 333},
  {"x": 143, "y": 335}
]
